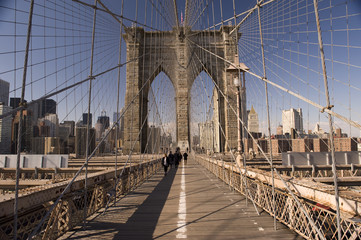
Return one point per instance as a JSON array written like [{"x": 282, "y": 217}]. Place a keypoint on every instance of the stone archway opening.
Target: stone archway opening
[
  {"x": 161, "y": 129},
  {"x": 204, "y": 122},
  {"x": 181, "y": 59}
]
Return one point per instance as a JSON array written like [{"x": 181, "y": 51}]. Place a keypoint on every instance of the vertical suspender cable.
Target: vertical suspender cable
[
  {"x": 118, "y": 96},
  {"x": 144, "y": 104},
  {"x": 176, "y": 14},
  {"x": 219, "y": 102},
  {"x": 20, "y": 126},
  {"x": 88, "y": 118},
  {"x": 132, "y": 122},
  {"x": 240, "y": 126},
  {"x": 268, "y": 118},
  {"x": 141, "y": 102},
  {"x": 226, "y": 140},
  {"x": 329, "y": 106}
]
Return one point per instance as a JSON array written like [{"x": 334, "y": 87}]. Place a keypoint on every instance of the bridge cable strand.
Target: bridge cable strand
[
  {"x": 268, "y": 114},
  {"x": 28, "y": 36},
  {"x": 117, "y": 129},
  {"x": 341, "y": 117},
  {"x": 351, "y": 110},
  {"x": 330, "y": 122}
]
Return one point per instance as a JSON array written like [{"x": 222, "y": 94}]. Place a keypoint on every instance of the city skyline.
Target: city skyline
[{"x": 55, "y": 67}]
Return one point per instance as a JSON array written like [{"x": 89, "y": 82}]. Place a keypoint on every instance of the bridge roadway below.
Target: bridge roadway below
[{"x": 188, "y": 203}]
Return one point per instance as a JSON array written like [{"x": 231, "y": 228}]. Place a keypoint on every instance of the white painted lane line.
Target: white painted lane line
[
  {"x": 260, "y": 229},
  {"x": 182, "y": 209}
]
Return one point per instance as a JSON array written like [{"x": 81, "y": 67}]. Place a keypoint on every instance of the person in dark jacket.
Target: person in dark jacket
[
  {"x": 165, "y": 163},
  {"x": 185, "y": 157},
  {"x": 171, "y": 159},
  {"x": 177, "y": 157}
]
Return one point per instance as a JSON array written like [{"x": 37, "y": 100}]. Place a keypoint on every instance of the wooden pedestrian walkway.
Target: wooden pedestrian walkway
[{"x": 188, "y": 203}]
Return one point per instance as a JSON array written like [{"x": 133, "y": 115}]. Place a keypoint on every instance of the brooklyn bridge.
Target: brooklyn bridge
[{"x": 184, "y": 119}]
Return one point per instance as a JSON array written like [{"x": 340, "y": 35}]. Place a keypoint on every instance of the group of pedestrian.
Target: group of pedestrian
[{"x": 173, "y": 160}]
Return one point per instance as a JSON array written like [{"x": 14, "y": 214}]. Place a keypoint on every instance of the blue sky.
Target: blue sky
[{"x": 290, "y": 38}]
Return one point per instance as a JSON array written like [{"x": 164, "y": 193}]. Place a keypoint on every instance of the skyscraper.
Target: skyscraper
[
  {"x": 71, "y": 126},
  {"x": 253, "y": 124},
  {"x": 5, "y": 130},
  {"x": 292, "y": 119},
  {"x": 154, "y": 137},
  {"x": 40, "y": 109},
  {"x": 52, "y": 121},
  {"x": 121, "y": 123},
  {"x": 27, "y": 132},
  {"x": 48, "y": 106},
  {"x": 85, "y": 119},
  {"x": 4, "y": 92},
  {"x": 104, "y": 120},
  {"x": 14, "y": 102},
  {"x": 80, "y": 140},
  {"x": 206, "y": 136}
]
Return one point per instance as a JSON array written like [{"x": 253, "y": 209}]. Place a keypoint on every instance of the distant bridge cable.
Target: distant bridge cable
[
  {"x": 64, "y": 89},
  {"x": 248, "y": 12},
  {"x": 176, "y": 14},
  {"x": 161, "y": 14},
  {"x": 120, "y": 16},
  {"x": 330, "y": 122},
  {"x": 268, "y": 114},
  {"x": 323, "y": 109}
]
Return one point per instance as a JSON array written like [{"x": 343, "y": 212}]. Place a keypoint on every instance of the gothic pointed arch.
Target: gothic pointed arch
[{"x": 181, "y": 58}]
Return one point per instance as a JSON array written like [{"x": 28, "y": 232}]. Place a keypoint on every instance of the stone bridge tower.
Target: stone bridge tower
[{"x": 177, "y": 55}]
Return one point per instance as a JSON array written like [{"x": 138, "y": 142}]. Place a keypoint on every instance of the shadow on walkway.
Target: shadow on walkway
[{"x": 142, "y": 222}]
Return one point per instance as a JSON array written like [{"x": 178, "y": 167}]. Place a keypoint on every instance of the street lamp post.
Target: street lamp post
[
  {"x": 238, "y": 71},
  {"x": 237, "y": 83}
]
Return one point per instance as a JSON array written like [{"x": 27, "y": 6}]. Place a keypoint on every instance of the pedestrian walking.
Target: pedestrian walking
[
  {"x": 185, "y": 157},
  {"x": 165, "y": 163},
  {"x": 171, "y": 159},
  {"x": 177, "y": 157}
]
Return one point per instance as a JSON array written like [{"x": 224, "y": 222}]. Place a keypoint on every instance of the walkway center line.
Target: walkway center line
[{"x": 182, "y": 209}]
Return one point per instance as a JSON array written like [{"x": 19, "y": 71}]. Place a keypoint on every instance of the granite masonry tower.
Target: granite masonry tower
[{"x": 182, "y": 54}]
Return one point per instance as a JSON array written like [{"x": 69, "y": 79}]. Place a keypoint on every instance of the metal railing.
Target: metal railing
[
  {"x": 68, "y": 213},
  {"x": 287, "y": 211}
]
